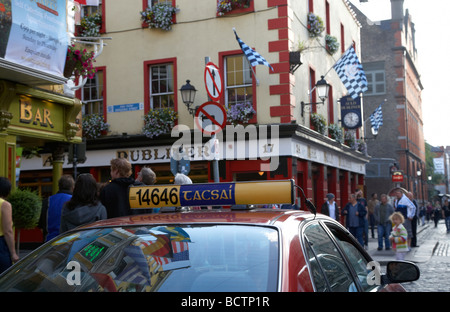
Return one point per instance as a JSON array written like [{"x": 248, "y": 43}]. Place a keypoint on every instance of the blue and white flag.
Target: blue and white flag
[
  {"x": 376, "y": 119},
  {"x": 351, "y": 72},
  {"x": 252, "y": 56}
]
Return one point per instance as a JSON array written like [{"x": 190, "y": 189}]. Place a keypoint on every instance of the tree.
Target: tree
[{"x": 26, "y": 210}]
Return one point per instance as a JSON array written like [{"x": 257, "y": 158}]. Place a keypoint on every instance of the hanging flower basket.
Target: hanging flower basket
[
  {"x": 159, "y": 121},
  {"x": 315, "y": 25},
  {"x": 331, "y": 44},
  {"x": 240, "y": 113},
  {"x": 79, "y": 62}
]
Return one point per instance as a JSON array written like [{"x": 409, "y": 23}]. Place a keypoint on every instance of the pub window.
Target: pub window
[
  {"x": 92, "y": 95},
  {"x": 87, "y": 10},
  {"x": 238, "y": 80},
  {"x": 151, "y": 3},
  {"x": 161, "y": 86}
]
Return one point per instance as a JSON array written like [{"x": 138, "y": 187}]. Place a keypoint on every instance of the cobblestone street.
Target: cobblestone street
[{"x": 434, "y": 273}]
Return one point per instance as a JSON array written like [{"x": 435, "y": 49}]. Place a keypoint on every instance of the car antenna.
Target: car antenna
[{"x": 308, "y": 203}]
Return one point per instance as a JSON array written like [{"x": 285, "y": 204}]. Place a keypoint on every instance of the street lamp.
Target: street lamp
[
  {"x": 322, "y": 88},
  {"x": 188, "y": 95}
]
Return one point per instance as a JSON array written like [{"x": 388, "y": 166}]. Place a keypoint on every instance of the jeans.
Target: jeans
[
  {"x": 383, "y": 232},
  {"x": 5, "y": 256},
  {"x": 357, "y": 232},
  {"x": 447, "y": 223}
]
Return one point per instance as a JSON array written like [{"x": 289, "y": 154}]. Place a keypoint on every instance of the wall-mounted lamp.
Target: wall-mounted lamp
[
  {"x": 188, "y": 95},
  {"x": 322, "y": 88}
]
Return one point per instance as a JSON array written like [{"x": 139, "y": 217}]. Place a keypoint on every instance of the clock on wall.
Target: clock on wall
[{"x": 351, "y": 120}]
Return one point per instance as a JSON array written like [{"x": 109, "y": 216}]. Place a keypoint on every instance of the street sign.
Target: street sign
[
  {"x": 211, "y": 117},
  {"x": 213, "y": 81},
  {"x": 397, "y": 176}
]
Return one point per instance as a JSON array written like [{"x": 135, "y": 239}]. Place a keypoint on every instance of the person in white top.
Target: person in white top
[{"x": 330, "y": 207}]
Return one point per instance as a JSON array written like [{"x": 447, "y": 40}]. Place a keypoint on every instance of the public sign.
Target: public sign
[
  {"x": 397, "y": 176},
  {"x": 351, "y": 117},
  {"x": 212, "y": 194},
  {"x": 213, "y": 81},
  {"x": 211, "y": 117}
]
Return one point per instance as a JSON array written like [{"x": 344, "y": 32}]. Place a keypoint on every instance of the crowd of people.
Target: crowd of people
[
  {"x": 395, "y": 223},
  {"x": 84, "y": 201},
  {"x": 77, "y": 202}
]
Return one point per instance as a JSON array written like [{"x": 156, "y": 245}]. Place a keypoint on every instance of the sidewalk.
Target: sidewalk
[{"x": 422, "y": 253}]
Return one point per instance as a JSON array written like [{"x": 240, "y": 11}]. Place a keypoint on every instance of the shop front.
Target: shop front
[{"x": 36, "y": 119}]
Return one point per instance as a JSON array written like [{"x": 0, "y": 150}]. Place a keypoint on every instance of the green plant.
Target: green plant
[
  {"x": 315, "y": 25},
  {"x": 159, "y": 121},
  {"x": 349, "y": 139},
  {"x": 331, "y": 44},
  {"x": 80, "y": 62},
  {"x": 26, "y": 210},
  {"x": 319, "y": 122},
  {"x": 94, "y": 125},
  {"x": 90, "y": 25},
  {"x": 159, "y": 15},
  {"x": 336, "y": 132}
]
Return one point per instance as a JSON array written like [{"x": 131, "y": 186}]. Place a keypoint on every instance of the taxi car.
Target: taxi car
[{"x": 218, "y": 250}]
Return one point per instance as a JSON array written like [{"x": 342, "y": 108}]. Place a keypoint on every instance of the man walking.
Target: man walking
[
  {"x": 381, "y": 214},
  {"x": 355, "y": 214}
]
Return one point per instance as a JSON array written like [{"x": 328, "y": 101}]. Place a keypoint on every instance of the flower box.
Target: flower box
[
  {"x": 226, "y": 7},
  {"x": 159, "y": 16}
]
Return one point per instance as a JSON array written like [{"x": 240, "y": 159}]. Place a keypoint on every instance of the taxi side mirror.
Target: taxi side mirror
[{"x": 401, "y": 272}]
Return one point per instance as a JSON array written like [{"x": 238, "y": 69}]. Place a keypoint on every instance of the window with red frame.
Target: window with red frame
[
  {"x": 92, "y": 95},
  {"x": 161, "y": 86},
  {"x": 226, "y": 7},
  {"x": 238, "y": 80}
]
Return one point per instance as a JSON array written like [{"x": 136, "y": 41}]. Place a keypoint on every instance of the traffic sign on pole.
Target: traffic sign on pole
[
  {"x": 211, "y": 117},
  {"x": 213, "y": 81}
]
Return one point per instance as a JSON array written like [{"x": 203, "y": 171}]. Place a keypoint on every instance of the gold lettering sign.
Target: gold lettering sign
[{"x": 36, "y": 116}]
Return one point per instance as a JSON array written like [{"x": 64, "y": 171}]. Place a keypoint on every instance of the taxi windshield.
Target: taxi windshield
[{"x": 153, "y": 258}]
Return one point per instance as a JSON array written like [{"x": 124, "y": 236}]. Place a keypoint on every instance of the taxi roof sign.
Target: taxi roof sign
[{"x": 212, "y": 194}]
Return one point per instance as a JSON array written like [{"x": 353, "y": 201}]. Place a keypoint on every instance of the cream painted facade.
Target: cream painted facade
[{"x": 199, "y": 32}]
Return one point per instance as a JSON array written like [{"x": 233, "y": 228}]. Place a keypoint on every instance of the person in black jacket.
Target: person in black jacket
[
  {"x": 330, "y": 207},
  {"x": 114, "y": 196}
]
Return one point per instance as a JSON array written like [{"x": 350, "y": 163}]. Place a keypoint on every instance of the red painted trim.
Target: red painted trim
[
  {"x": 147, "y": 65},
  {"x": 272, "y": 3},
  {"x": 222, "y": 56},
  {"x": 278, "y": 46},
  {"x": 103, "y": 27},
  {"x": 276, "y": 23}
]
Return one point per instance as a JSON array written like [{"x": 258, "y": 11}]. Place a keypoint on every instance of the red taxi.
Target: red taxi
[{"x": 244, "y": 250}]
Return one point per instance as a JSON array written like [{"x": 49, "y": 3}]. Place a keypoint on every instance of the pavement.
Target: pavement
[{"x": 422, "y": 253}]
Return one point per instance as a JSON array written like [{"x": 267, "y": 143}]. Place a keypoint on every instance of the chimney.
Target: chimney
[{"x": 397, "y": 9}]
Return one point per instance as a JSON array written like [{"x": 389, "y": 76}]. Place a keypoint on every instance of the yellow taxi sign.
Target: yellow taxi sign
[{"x": 212, "y": 194}]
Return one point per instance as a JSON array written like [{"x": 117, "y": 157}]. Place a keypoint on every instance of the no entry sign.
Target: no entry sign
[
  {"x": 211, "y": 117},
  {"x": 213, "y": 81}
]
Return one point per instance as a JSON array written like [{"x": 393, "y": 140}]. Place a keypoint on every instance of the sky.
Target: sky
[{"x": 432, "y": 23}]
